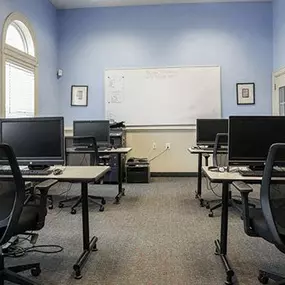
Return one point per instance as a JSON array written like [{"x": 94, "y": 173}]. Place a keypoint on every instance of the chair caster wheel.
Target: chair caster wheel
[
  {"x": 36, "y": 271},
  {"x": 263, "y": 279},
  {"x": 73, "y": 212},
  {"x": 103, "y": 201},
  {"x": 60, "y": 205},
  {"x": 101, "y": 209},
  {"x": 50, "y": 207},
  {"x": 78, "y": 276},
  {"x": 208, "y": 207},
  {"x": 211, "y": 214}
]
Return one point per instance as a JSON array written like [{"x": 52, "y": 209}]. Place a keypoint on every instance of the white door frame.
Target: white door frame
[{"x": 275, "y": 76}]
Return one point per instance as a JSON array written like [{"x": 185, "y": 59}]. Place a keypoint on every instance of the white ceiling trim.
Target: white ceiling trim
[{"x": 73, "y": 4}]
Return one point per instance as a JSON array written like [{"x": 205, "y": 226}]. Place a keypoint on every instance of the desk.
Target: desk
[
  {"x": 83, "y": 175},
  {"x": 226, "y": 178},
  {"x": 118, "y": 151},
  {"x": 201, "y": 152}
]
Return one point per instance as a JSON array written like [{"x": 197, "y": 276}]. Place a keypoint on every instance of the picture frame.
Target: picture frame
[
  {"x": 79, "y": 95},
  {"x": 245, "y": 93}
]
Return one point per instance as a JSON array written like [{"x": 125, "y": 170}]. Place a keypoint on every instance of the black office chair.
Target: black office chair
[
  {"x": 268, "y": 221},
  {"x": 88, "y": 144},
  {"x": 17, "y": 216},
  {"x": 220, "y": 162}
]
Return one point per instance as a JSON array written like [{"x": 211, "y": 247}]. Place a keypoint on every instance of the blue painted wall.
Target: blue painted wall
[
  {"x": 279, "y": 34},
  {"x": 43, "y": 17},
  {"x": 237, "y": 36}
]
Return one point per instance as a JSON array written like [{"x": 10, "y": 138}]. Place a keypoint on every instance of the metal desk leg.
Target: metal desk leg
[
  {"x": 221, "y": 245},
  {"x": 88, "y": 246},
  {"x": 93, "y": 159},
  {"x": 121, "y": 190},
  {"x": 207, "y": 159},
  {"x": 199, "y": 181}
]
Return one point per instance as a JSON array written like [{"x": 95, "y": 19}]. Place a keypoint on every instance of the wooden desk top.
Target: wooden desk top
[
  {"x": 197, "y": 150},
  {"x": 220, "y": 177},
  {"x": 70, "y": 174},
  {"x": 122, "y": 150}
]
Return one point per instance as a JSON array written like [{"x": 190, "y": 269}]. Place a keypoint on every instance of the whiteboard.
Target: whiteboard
[{"x": 163, "y": 96}]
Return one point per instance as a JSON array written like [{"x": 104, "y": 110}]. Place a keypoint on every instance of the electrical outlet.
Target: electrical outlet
[
  {"x": 167, "y": 146},
  {"x": 153, "y": 145}
]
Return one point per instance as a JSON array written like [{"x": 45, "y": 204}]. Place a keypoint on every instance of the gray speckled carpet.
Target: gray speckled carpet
[{"x": 157, "y": 235}]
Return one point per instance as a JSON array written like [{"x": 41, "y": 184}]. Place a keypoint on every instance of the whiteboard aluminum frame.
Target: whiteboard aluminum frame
[{"x": 162, "y": 127}]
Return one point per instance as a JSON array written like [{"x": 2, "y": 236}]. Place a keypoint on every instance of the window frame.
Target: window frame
[{"x": 18, "y": 57}]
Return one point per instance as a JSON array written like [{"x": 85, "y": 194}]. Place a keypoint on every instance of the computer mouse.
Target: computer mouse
[{"x": 57, "y": 172}]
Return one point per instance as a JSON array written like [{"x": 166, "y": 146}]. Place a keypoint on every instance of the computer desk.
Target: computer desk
[
  {"x": 83, "y": 175},
  {"x": 226, "y": 178},
  {"x": 200, "y": 152},
  {"x": 119, "y": 151}
]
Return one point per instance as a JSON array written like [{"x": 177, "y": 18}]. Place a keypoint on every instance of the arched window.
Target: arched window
[{"x": 19, "y": 93}]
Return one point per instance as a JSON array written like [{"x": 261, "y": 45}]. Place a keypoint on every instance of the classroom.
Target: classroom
[{"x": 141, "y": 142}]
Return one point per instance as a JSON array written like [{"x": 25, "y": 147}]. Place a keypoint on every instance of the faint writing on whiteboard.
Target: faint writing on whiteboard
[
  {"x": 116, "y": 97},
  {"x": 115, "y": 89},
  {"x": 155, "y": 74}
]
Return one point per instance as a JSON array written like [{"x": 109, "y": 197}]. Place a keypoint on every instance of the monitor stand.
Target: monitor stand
[
  {"x": 257, "y": 167},
  {"x": 38, "y": 167}
]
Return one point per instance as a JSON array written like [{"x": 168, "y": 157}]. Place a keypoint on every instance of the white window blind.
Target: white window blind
[{"x": 20, "y": 89}]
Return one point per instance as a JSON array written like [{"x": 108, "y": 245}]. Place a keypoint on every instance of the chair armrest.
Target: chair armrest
[
  {"x": 242, "y": 187},
  {"x": 45, "y": 185},
  {"x": 244, "y": 190}
]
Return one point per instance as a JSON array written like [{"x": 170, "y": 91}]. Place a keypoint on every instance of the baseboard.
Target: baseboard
[{"x": 174, "y": 174}]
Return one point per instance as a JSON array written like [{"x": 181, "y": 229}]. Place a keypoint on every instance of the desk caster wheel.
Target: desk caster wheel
[
  {"x": 211, "y": 214},
  {"x": 36, "y": 271},
  {"x": 78, "y": 275},
  {"x": 60, "y": 205},
  {"x": 103, "y": 201},
  {"x": 262, "y": 278},
  {"x": 73, "y": 212},
  {"x": 101, "y": 209}
]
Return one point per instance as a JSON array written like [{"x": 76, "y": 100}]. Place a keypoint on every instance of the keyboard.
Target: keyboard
[
  {"x": 26, "y": 172},
  {"x": 83, "y": 148},
  {"x": 259, "y": 173}
]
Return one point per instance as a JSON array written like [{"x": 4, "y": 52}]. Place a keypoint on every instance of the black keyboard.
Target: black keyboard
[
  {"x": 83, "y": 148},
  {"x": 26, "y": 172},
  {"x": 259, "y": 173}
]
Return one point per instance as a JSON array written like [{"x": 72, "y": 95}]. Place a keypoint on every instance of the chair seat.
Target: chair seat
[
  {"x": 259, "y": 225},
  {"x": 28, "y": 219}
]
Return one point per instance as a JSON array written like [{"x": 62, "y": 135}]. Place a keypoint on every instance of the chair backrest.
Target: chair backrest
[
  {"x": 272, "y": 198},
  {"x": 12, "y": 194},
  {"x": 219, "y": 159},
  {"x": 86, "y": 141}
]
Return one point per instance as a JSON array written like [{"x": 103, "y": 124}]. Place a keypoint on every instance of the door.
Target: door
[{"x": 278, "y": 99}]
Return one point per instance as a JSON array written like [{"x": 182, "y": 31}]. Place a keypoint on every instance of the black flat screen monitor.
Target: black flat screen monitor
[
  {"x": 100, "y": 130},
  {"x": 250, "y": 138},
  {"x": 207, "y": 129},
  {"x": 35, "y": 141}
]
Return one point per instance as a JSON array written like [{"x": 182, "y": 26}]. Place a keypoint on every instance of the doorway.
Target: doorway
[{"x": 278, "y": 95}]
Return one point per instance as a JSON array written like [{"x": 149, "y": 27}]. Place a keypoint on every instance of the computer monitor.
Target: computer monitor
[
  {"x": 37, "y": 142},
  {"x": 100, "y": 130},
  {"x": 250, "y": 138},
  {"x": 207, "y": 129}
]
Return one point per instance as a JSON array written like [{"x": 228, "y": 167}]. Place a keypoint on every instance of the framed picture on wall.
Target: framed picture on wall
[
  {"x": 79, "y": 95},
  {"x": 245, "y": 93}
]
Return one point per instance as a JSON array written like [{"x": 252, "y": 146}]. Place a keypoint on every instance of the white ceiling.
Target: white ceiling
[{"x": 72, "y": 4}]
